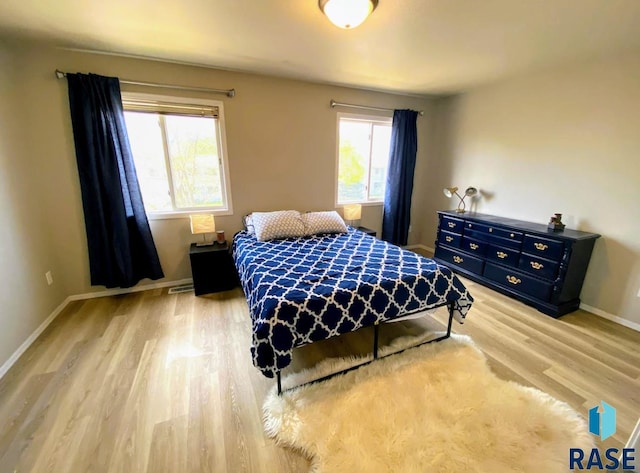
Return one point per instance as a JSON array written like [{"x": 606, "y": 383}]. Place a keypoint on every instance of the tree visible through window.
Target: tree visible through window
[
  {"x": 362, "y": 159},
  {"x": 178, "y": 157}
]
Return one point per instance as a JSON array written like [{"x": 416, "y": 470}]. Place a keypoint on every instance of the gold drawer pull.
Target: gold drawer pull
[
  {"x": 457, "y": 259},
  {"x": 451, "y": 225},
  {"x": 491, "y": 230},
  {"x": 536, "y": 265},
  {"x": 501, "y": 255},
  {"x": 513, "y": 280},
  {"x": 540, "y": 246},
  {"x": 470, "y": 226},
  {"x": 448, "y": 238},
  {"x": 512, "y": 235},
  {"x": 473, "y": 246}
]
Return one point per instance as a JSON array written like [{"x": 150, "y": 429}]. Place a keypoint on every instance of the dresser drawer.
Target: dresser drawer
[
  {"x": 450, "y": 239},
  {"x": 477, "y": 247},
  {"x": 503, "y": 255},
  {"x": 512, "y": 243},
  {"x": 462, "y": 260},
  {"x": 488, "y": 233},
  {"x": 540, "y": 267},
  {"x": 451, "y": 224},
  {"x": 473, "y": 228},
  {"x": 518, "y": 281},
  {"x": 545, "y": 247},
  {"x": 510, "y": 235}
]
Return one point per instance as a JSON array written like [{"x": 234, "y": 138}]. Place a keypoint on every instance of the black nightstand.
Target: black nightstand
[
  {"x": 212, "y": 268},
  {"x": 368, "y": 231}
]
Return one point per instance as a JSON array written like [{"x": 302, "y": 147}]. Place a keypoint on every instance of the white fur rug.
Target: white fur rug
[{"x": 436, "y": 408}]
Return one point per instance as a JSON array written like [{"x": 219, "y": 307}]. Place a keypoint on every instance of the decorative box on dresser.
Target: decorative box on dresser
[{"x": 524, "y": 260}]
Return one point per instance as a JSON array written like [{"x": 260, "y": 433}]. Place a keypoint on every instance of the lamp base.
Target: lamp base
[{"x": 460, "y": 211}]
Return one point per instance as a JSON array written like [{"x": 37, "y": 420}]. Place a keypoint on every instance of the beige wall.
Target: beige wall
[
  {"x": 281, "y": 140},
  {"x": 563, "y": 141},
  {"x": 25, "y": 251},
  {"x": 567, "y": 141}
]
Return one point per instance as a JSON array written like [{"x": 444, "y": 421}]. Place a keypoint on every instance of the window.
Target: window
[
  {"x": 363, "y": 157},
  {"x": 179, "y": 152}
]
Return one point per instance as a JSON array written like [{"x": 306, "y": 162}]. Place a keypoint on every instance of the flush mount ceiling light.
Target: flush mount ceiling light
[{"x": 347, "y": 14}]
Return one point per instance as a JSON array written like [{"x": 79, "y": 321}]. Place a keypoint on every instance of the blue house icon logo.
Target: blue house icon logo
[{"x": 602, "y": 424}]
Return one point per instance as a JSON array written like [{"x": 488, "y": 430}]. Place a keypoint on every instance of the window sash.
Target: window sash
[
  {"x": 372, "y": 122},
  {"x": 142, "y": 103}
]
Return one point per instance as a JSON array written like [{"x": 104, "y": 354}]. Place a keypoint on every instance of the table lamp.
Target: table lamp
[
  {"x": 352, "y": 213},
  {"x": 202, "y": 224},
  {"x": 451, "y": 191}
]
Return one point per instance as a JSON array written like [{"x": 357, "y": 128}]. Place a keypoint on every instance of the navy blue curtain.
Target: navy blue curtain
[
  {"x": 121, "y": 248},
  {"x": 402, "y": 163}
]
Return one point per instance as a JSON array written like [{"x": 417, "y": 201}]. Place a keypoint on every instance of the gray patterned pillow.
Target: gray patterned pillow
[
  {"x": 323, "y": 222},
  {"x": 280, "y": 224}
]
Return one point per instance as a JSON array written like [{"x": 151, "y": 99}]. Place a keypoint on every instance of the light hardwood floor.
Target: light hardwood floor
[{"x": 152, "y": 382}]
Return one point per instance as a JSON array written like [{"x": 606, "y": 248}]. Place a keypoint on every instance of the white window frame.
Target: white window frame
[
  {"x": 222, "y": 155},
  {"x": 387, "y": 120}
]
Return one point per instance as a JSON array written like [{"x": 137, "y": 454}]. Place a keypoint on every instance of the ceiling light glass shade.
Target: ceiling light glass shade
[{"x": 347, "y": 14}]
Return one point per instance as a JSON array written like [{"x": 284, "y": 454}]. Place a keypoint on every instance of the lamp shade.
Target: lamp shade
[
  {"x": 347, "y": 14},
  {"x": 352, "y": 212},
  {"x": 202, "y": 223},
  {"x": 450, "y": 191},
  {"x": 471, "y": 191}
]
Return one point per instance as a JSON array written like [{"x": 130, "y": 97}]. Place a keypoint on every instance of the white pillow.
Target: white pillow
[
  {"x": 323, "y": 222},
  {"x": 280, "y": 224},
  {"x": 248, "y": 224}
]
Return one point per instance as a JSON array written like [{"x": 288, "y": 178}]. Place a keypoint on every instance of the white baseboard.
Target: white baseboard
[
  {"x": 32, "y": 338},
  {"x": 422, "y": 247},
  {"x": 6, "y": 366},
  {"x": 128, "y": 290},
  {"x": 614, "y": 318}
]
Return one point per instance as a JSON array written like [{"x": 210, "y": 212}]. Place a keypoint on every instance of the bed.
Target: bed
[{"x": 302, "y": 290}]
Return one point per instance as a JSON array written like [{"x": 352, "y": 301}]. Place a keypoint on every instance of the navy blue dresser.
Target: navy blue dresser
[{"x": 525, "y": 260}]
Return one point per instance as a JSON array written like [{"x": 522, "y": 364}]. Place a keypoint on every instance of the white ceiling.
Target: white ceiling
[{"x": 410, "y": 46}]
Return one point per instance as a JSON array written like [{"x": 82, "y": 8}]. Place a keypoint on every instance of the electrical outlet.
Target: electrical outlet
[
  {"x": 638, "y": 292},
  {"x": 49, "y": 277},
  {"x": 409, "y": 228}
]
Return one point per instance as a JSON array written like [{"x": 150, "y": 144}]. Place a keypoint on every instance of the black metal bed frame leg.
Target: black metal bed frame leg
[
  {"x": 279, "y": 383},
  {"x": 450, "y": 319},
  {"x": 376, "y": 329}
]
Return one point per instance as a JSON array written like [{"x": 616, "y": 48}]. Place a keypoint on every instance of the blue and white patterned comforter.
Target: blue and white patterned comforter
[{"x": 301, "y": 290}]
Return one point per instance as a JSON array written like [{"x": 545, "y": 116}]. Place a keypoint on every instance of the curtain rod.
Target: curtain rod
[
  {"x": 333, "y": 104},
  {"x": 227, "y": 92}
]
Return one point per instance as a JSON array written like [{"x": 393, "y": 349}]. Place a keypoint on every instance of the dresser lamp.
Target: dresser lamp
[
  {"x": 203, "y": 224},
  {"x": 352, "y": 213},
  {"x": 451, "y": 191}
]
